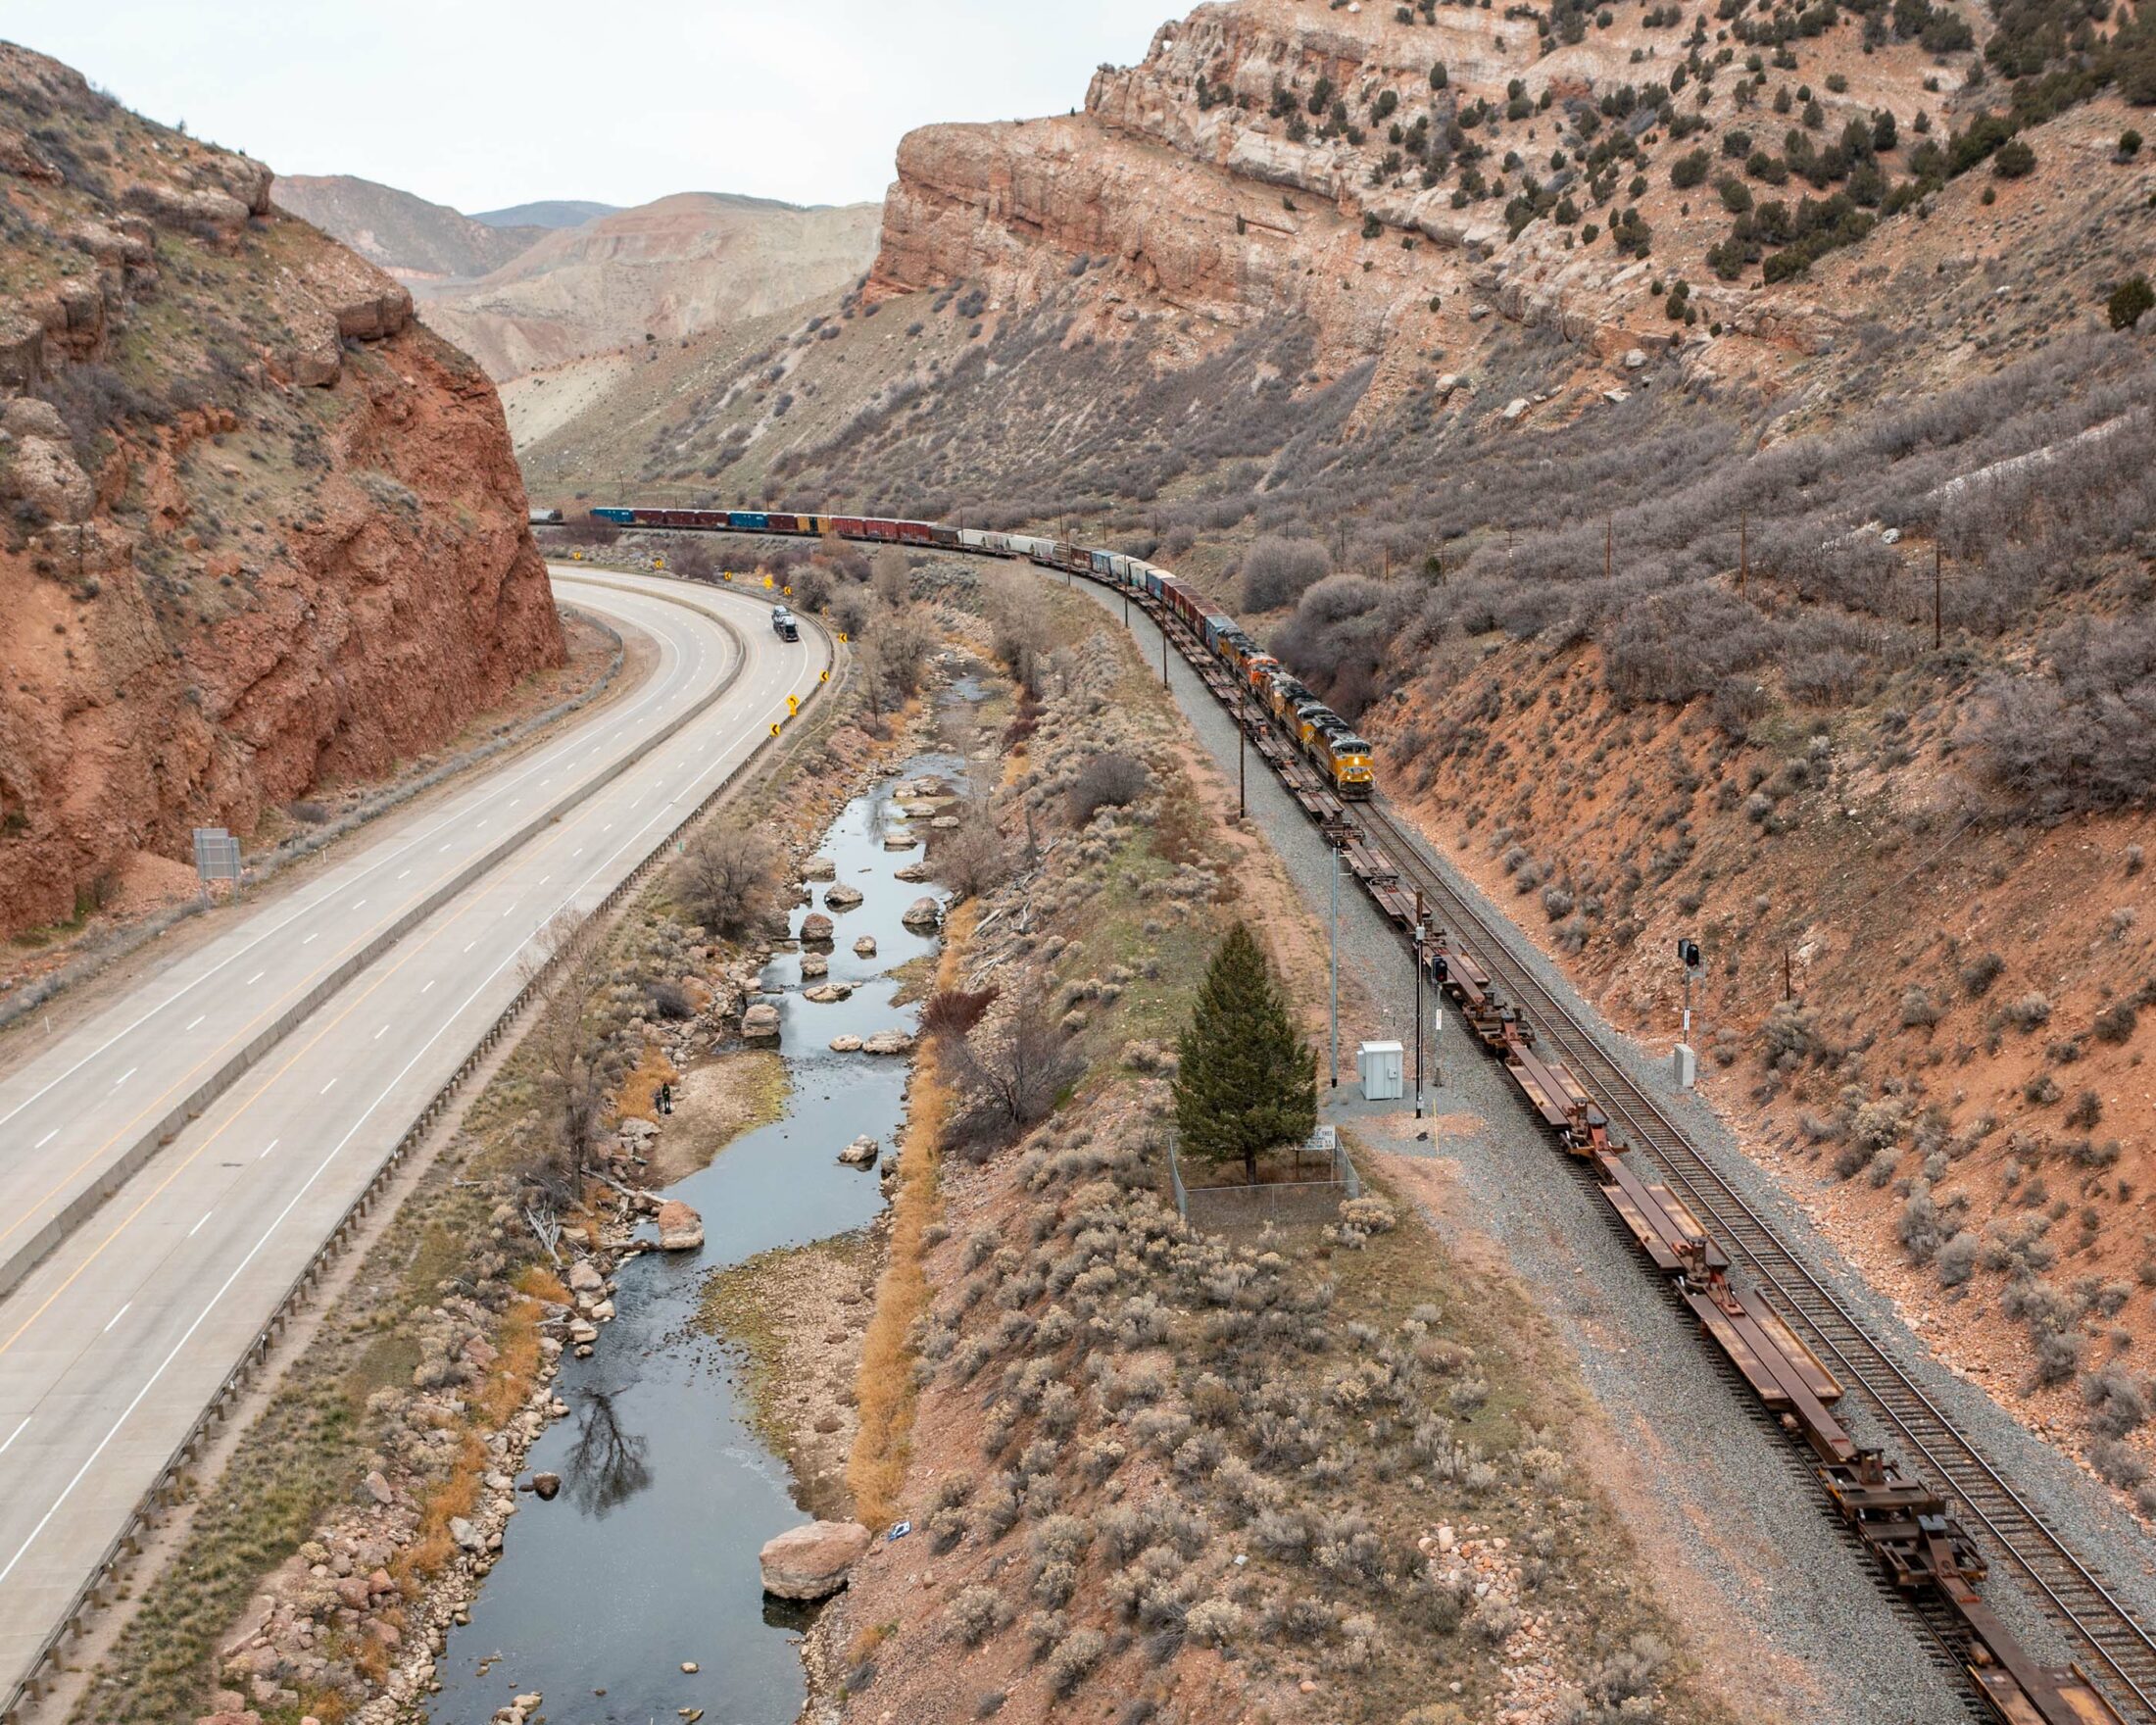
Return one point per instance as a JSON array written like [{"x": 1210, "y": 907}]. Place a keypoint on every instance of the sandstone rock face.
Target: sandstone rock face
[
  {"x": 812, "y": 1562},
  {"x": 334, "y": 591},
  {"x": 681, "y": 1228}
]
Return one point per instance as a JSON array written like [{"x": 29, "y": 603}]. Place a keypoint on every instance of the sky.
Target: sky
[{"x": 480, "y": 104}]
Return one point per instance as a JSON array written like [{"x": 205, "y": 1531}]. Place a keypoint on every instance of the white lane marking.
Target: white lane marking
[
  {"x": 257, "y": 977},
  {"x": 267, "y": 1147},
  {"x": 429, "y": 985},
  {"x": 379, "y": 1034},
  {"x": 124, "y": 1076},
  {"x": 312, "y": 938},
  {"x": 198, "y": 1021},
  {"x": 197, "y": 1228},
  {"x": 47, "y": 1139},
  {"x": 328, "y": 1088},
  {"x": 470, "y": 944},
  {"x": 12, "y": 1435},
  {"x": 116, "y": 1316},
  {"x": 401, "y": 877}
]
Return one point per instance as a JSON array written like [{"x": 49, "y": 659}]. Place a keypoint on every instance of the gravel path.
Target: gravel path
[{"x": 1738, "y": 1494}]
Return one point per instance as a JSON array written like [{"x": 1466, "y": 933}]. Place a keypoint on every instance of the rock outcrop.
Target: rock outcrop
[
  {"x": 812, "y": 1562},
  {"x": 260, "y": 528}
]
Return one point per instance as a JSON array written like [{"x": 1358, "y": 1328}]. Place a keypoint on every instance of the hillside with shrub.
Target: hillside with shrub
[{"x": 1711, "y": 451}]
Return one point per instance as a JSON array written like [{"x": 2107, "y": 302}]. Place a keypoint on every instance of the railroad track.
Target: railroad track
[{"x": 2106, "y": 1633}]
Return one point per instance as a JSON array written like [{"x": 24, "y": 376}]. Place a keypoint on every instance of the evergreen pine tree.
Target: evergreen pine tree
[{"x": 1246, "y": 1082}]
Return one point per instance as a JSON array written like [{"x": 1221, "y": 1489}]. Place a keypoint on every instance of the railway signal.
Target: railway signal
[{"x": 1687, "y": 1066}]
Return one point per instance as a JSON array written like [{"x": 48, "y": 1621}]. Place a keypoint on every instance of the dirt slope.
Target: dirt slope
[
  {"x": 259, "y": 526},
  {"x": 411, "y": 239},
  {"x": 659, "y": 272}
]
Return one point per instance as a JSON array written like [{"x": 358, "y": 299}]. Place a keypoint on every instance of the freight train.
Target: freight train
[
  {"x": 1908, "y": 1525},
  {"x": 1328, "y": 740}
]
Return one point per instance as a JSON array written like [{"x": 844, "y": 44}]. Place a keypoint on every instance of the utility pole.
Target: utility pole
[
  {"x": 1332, "y": 928},
  {"x": 1163, "y": 654},
  {"x": 1743, "y": 550},
  {"x": 1609, "y": 544},
  {"x": 1241, "y": 798},
  {"x": 1939, "y": 578},
  {"x": 1418, "y": 1003}
]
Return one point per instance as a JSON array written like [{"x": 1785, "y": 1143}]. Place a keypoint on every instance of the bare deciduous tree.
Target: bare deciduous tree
[
  {"x": 728, "y": 881},
  {"x": 1014, "y": 1066},
  {"x": 973, "y": 856},
  {"x": 577, "y": 1063},
  {"x": 890, "y": 579}
]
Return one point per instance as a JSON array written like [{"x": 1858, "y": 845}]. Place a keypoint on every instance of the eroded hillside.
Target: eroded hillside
[{"x": 260, "y": 527}]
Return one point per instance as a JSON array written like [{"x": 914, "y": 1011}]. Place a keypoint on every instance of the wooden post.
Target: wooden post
[
  {"x": 1743, "y": 550},
  {"x": 1939, "y": 558},
  {"x": 1609, "y": 544}
]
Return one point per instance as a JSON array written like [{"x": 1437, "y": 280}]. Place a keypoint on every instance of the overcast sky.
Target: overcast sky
[{"x": 485, "y": 103}]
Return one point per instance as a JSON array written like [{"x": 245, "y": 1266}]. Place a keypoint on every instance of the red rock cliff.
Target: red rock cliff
[{"x": 257, "y": 525}]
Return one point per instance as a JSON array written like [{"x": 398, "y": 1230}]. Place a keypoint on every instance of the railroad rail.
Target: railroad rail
[{"x": 1778, "y": 1324}]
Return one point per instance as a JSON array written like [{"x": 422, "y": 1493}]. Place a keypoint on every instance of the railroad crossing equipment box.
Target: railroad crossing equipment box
[
  {"x": 1383, "y": 1069},
  {"x": 1685, "y": 1068}
]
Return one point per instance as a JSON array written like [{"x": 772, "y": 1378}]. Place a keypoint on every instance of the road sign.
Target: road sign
[
  {"x": 774, "y": 728},
  {"x": 217, "y": 856},
  {"x": 788, "y": 591},
  {"x": 766, "y": 582},
  {"x": 793, "y": 703},
  {"x": 823, "y": 676},
  {"x": 842, "y": 635}
]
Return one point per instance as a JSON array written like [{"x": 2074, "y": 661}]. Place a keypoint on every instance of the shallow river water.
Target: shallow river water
[{"x": 648, "y": 1556}]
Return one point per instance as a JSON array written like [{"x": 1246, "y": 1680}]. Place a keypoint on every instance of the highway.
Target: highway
[{"x": 123, "y": 1318}]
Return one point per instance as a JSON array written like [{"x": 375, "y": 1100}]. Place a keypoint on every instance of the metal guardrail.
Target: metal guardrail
[{"x": 170, "y": 1482}]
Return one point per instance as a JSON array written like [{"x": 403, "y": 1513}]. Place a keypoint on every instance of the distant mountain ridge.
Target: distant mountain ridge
[{"x": 547, "y": 212}]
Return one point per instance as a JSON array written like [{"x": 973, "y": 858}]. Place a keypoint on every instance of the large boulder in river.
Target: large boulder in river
[
  {"x": 841, "y": 897},
  {"x": 814, "y": 964},
  {"x": 862, "y": 1153},
  {"x": 889, "y": 1042},
  {"x": 846, "y": 1045},
  {"x": 759, "y": 1023},
  {"x": 827, "y": 994},
  {"x": 819, "y": 869},
  {"x": 866, "y": 947},
  {"x": 923, "y": 914},
  {"x": 812, "y": 1562},
  {"x": 817, "y": 928},
  {"x": 913, "y": 872},
  {"x": 681, "y": 1228},
  {"x": 900, "y": 841}
]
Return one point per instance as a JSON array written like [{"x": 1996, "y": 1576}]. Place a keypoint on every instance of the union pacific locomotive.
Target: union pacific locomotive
[{"x": 1329, "y": 740}]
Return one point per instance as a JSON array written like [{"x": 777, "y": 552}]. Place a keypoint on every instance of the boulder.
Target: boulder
[
  {"x": 827, "y": 994},
  {"x": 814, "y": 964},
  {"x": 866, "y": 947},
  {"x": 841, "y": 898},
  {"x": 546, "y": 1486},
  {"x": 583, "y": 1332},
  {"x": 377, "y": 314},
  {"x": 913, "y": 872},
  {"x": 923, "y": 914},
  {"x": 819, "y": 869},
  {"x": 234, "y": 1717},
  {"x": 44, "y": 476},
  {"x": 899, "y": 841},
  {"x": 584, "y": 1277},
  {"x": 759, "y": 1023},
  {"x": 862, "y": 1153},
  {"x": 681, "y": 1228},
  {"x": 812, "y": 1562},
  {"x": 889, "y": 1042},
  {"x": 816, "y": 928},
  {"x": 845, "y": 1045},
  {"x": 467, "y": 1536}
]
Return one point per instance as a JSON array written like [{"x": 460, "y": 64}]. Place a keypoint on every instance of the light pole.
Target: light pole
[{"x": 1241, "y": 800}]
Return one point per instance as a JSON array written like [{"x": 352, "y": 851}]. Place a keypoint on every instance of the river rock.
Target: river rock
[
  {"x": 846, "y": 1045},
  {"x": 812, "y": 1562},
  {"x": 814, "y": 964},
  {"x": 583, "y": 1332},
  {"x": 467, "y": 1536},
  {"x": 759, "y": 1023},
  {"x": 889, "y": 1042},
  {"x": 826, "y": 994},
  {"x": 913, "y": 872},
  {"x": 681, "y": 1228},
  {"x": 899, "y": 841},
  {"x": 584, "y": 1277},
  {"x": 922, "y": 913},
  {"x": 841, "y": 898},
  {"x": 866, "y": 947},
  {"x": 862, "y": 1153},
  {"x": 815, "y": 927},
  {"x": 944, "y": 822},
  {"x": 378, "y": 1488},
  {"x": 546, "y": 1486},
  {"x": 819, "y": 869}
]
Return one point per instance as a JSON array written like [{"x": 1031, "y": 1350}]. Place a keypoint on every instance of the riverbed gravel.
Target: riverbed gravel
[{"x": 1738, "y": 1494}]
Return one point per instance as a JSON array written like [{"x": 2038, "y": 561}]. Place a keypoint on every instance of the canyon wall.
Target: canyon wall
[{"x": 258, "y": 528}]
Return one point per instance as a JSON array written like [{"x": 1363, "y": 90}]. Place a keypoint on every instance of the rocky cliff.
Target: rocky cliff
[{"x": 259, "y": 527}]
